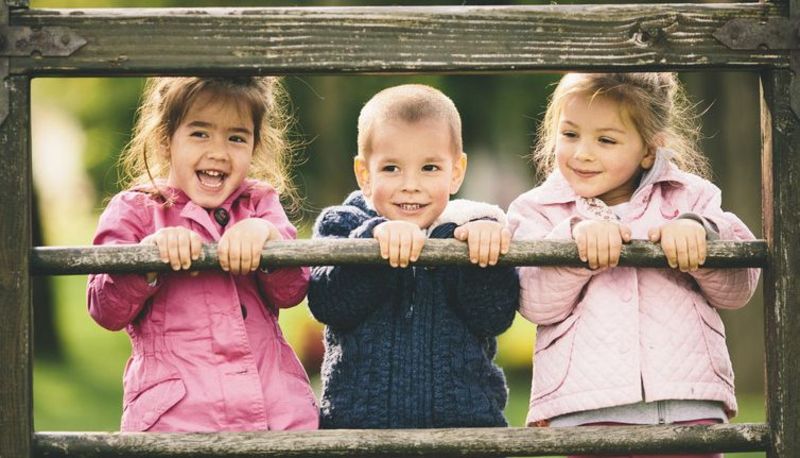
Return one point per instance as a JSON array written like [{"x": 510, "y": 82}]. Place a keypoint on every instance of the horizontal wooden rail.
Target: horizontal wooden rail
[
  {"x": 648, "y": 37},
  {"x": 138, "y": 258},
  {"x": 483, "y": 442}
]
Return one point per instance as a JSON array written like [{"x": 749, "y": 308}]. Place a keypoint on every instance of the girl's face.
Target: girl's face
[
  {"x": 210, "y": 151},
  {"x": 598, "y": 149}
]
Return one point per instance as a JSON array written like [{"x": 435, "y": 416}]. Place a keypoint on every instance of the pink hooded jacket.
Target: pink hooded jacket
[
  {"x": 626, "y": 335},
  {"x": 207, "y": 352}
]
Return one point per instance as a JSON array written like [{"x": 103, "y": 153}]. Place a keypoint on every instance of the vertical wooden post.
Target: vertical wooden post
[
  {"x": 781, "y": 213},
  {"x": 16, "y": 418}
]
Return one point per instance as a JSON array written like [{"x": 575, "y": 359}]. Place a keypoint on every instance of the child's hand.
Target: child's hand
[
  {"x": 177, "y": 246},
  {"x": 684, "y": 243},
  {"x": 240, "y": 247},
  {"x": 486, "y": 241},
  {"x": 600, "y": 242},
  {"x": 401, "y": 242}
]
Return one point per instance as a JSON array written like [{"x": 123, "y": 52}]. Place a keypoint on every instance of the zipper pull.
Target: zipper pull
[{"x": 410, "y": 310}]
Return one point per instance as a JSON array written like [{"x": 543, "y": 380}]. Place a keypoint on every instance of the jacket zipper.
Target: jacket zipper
[
  {"x": 661, "y": 412},
  {"x": 410, "y": 310}
]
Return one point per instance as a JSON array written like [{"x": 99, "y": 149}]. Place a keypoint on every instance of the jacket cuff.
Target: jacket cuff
[
  {"x": 712, "y": 233},
  {"x": 367, "y": 227}
]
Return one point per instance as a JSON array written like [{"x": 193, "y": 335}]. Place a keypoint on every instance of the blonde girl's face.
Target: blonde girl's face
[
  {"x": 598, "y": 150},
  {"x": 411, "y": 170},
  {"x": 210, "y": 152}
]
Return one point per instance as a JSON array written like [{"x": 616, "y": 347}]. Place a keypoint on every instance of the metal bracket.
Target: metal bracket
[
  {"x": 44, "y": 42},
  {"x": 775, "y": 34},
  {"x": 19, "y": 41}
]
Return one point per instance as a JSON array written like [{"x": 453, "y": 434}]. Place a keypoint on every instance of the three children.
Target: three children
[{"x": 412, "y": 347}]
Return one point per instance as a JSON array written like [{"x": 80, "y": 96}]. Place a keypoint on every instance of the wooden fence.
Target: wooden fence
[{"x": 760, "y": 37}]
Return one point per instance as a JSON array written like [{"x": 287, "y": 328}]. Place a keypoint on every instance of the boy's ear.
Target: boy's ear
[
  {"x": 459, "y": 171},
  {"x": 361, "y": 171}
]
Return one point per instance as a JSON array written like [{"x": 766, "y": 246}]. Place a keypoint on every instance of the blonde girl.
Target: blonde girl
[
  {"x": 207, "y": 163},
  {"x": 621, "y": 345}
]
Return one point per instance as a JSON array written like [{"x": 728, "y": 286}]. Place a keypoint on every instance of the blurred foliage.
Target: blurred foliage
[{"x": 500, "y": 114}]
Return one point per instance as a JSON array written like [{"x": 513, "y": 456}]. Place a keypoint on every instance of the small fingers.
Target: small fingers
[
  {"x": 614, "y": 248},
  {"x": 505, "y": 241},
  {"x": 702, "y": 248},
  {"x": 404, "y": 251},
  {"x": 417, "y": 242},
  {"x": 670, "y": 250},
  {"x": 495, "y": 247}
]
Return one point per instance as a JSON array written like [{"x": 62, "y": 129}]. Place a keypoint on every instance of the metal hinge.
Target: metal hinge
[
  {"x": 774, "y": 34},
  {"x": 20, "y": 41}
]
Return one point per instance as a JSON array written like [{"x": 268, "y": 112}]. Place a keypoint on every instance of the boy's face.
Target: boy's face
[{"x": 411, "y": 170}]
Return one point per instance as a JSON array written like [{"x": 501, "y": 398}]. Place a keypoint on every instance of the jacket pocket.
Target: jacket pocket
[
  {"x": 152, "y": 395},
  {"x": 553, "y": 356},
  {"x": 714, "y": 337}
]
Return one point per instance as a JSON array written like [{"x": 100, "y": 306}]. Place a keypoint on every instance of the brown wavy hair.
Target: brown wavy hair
[{"x": 165, "y": 102}]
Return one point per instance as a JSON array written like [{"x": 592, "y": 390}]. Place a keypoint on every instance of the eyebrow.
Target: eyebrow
[
  {"x": 603, "y": 129},
  {"x": 208, "y": 125}
]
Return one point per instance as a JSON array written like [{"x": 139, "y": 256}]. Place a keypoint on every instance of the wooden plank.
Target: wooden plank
[
  {"x": 138, "y": 258},
  {"x": 397, "y": 39},
  {"x": 16, "y": 422},
  {"x": 411, "y": 442},
  {"x": 781, "y": 201}
]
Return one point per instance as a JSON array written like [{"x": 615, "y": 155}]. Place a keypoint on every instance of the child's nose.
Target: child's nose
[
  {"x": 410, "y": 182},
  {"x": 583, "y": 152}
]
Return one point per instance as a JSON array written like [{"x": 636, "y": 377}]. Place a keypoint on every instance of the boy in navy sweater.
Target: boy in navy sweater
[{"x": 412, "y": 347}]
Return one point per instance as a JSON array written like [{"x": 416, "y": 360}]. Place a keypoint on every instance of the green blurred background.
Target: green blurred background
[{"x": 81, "y": 124}]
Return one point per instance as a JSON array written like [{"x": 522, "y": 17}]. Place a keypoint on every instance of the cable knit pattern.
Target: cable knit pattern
[
  {"x": 624, "y": 335},
  {"x": 410, "y": 348}
]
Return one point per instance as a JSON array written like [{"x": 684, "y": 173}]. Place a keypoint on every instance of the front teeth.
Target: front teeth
[{"x": 410, "y": 207}]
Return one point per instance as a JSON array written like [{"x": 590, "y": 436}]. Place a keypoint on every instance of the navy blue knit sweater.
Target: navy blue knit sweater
[{"x": 413, "y": 347}]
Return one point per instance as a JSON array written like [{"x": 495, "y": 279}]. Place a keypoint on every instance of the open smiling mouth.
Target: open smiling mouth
[{"x": 211, "y": 178}]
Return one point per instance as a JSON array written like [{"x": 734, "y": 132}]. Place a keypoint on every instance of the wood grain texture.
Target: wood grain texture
[
  {"x": 16, "y": 417},
  {"x": 485, "y": 442},
  {"x": 397, "y": 39},
  {"x": 781, "y": 201},
  {"x": 138, "y": 258}
]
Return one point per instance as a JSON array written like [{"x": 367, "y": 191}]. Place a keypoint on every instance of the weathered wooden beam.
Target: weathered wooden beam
[
  {"x": 461, "y": 442},
  {"x": 397, "y": 39},
  {"x": 138, "y": 258},
  {"x": 16, "y": 413},
  {"x": 781, "y": 201}
]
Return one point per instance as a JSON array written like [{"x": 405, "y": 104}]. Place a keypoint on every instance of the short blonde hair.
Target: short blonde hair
[
  {"x": 655, "y": 102},
  {"x": 409, "y": 103},
  {"x": 165, "y": 102}
]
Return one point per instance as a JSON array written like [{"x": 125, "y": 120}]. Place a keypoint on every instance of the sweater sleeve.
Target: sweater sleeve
[
  {"x": 287, "y": 286},
  {"x": 486, "y": 299},
  {"x": 342, "y": 297},
  {"x": 547, "y": 294},
  {"x": 723, "y": 288},
  {"x": 114, "y": 300}
]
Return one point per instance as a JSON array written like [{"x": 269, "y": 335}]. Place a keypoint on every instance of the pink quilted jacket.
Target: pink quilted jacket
[
  {"x": 626, "y": 335},
  {"x": 207, "y": 352}
]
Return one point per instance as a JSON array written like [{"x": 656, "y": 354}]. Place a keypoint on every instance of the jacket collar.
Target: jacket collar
[
  {"x": 177, "y": 199},
  {"x": 556, "y": 190}
]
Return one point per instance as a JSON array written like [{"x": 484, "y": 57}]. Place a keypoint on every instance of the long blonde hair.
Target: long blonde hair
[
  {"x": 165, "y": 102},
  {"x": 655, "y": 102}
]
